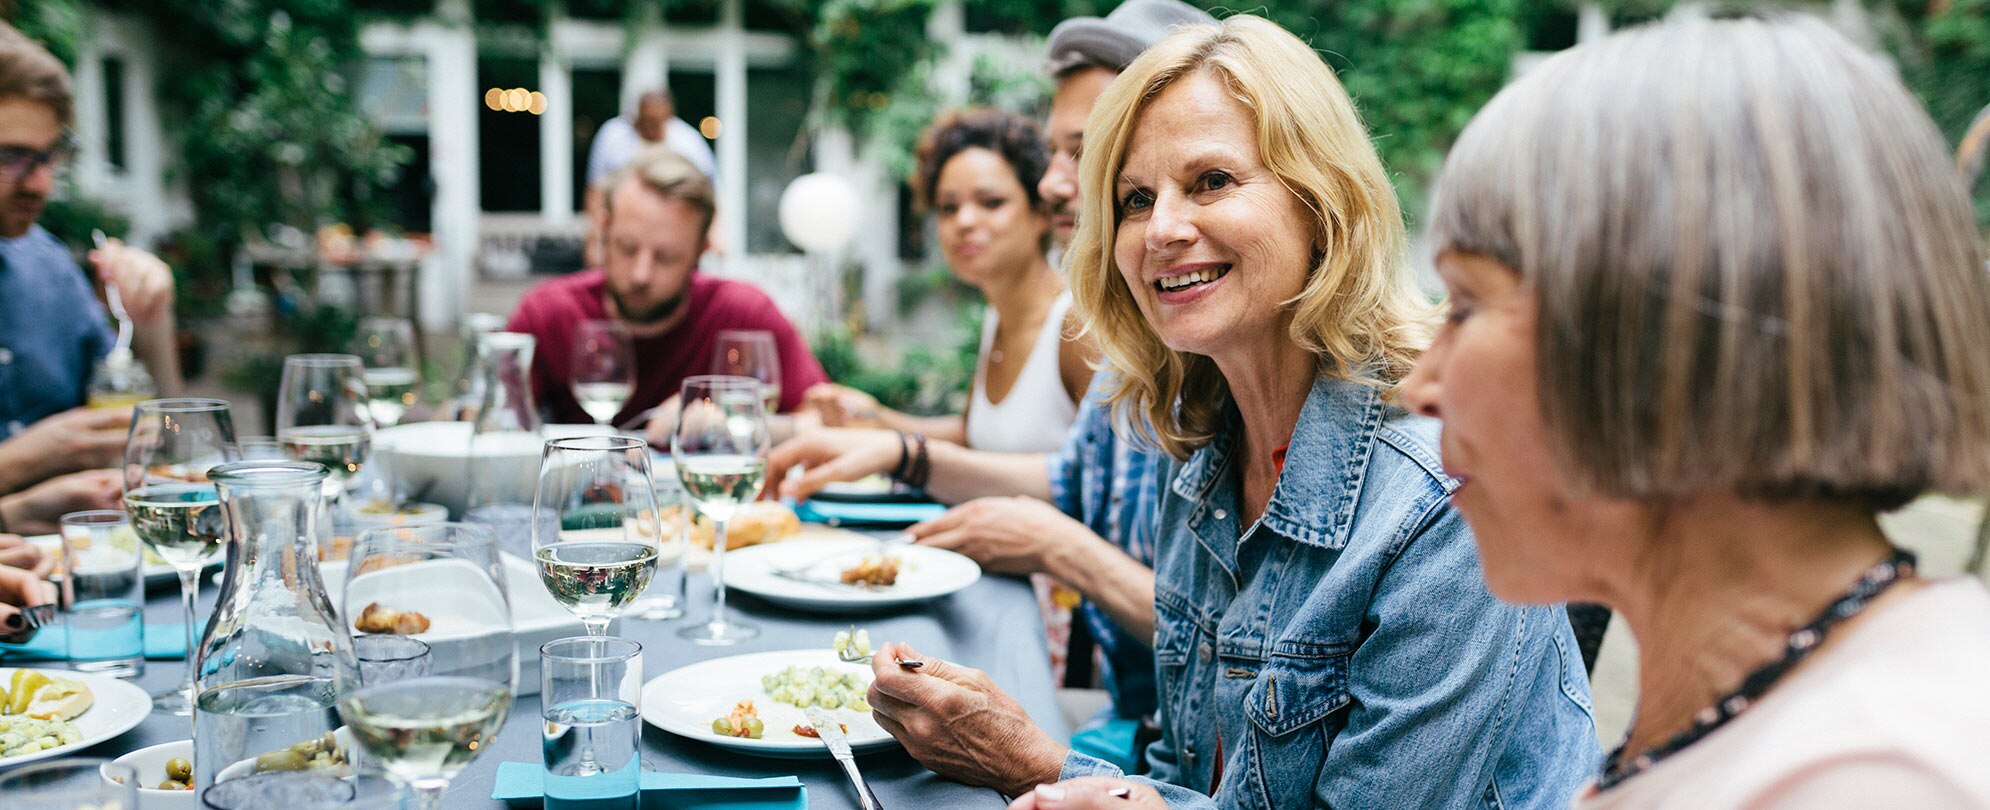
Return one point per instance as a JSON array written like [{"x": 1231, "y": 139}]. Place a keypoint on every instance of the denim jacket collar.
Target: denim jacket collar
[{"x": 1333, "y": 439}]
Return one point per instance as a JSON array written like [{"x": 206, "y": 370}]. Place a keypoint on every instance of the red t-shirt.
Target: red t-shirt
[{"x": 552, "y": 311}]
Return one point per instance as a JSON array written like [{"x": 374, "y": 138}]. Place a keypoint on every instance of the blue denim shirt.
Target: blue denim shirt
[
  {"x": 1107, "y": 483},
  {"x": 1343, "y": 651},
  {"x": 52, "y": 330}
]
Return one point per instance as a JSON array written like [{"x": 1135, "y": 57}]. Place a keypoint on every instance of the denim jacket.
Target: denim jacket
[{"x": 1344, "y": 651}]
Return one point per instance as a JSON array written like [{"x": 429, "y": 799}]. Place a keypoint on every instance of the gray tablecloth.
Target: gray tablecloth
[{"x": 992, "y": 625}]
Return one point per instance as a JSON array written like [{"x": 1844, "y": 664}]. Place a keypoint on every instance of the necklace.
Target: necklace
[{"x": 1883, "y": 575}]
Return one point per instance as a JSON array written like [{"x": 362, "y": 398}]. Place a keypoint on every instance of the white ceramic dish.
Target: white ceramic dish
[
  {"x": 117, "y": 708},
  {"x": 156, "y": 573},
  {"x": 447, "y": 588},
  {"x": 924, "y": 573},
  {"x": 342, "y": 736},
  {"x": 431, "y": 460},
  {"x": 150, "y": 763},
  {"x": 686, "y": 700}
]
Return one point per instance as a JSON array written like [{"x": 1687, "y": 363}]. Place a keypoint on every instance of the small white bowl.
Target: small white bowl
[{"x": 150, "y": 762}]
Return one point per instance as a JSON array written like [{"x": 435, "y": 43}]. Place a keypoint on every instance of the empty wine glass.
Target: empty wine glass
[
  {"x": 386, "y": 347},
  {"x": 720, "y": 447},
  {"x": 440, "y": 585},
  {"x": 174, "y": 508},
  {"x": 322, "y": 415},
  {"x": 751, "y": 353},
  {"x": 604, "y": 368},
  {"x": 595, "y": 525}
]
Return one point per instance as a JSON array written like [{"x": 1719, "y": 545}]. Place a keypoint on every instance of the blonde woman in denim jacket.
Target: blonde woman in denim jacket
[{"x": 1323, "y": 634}]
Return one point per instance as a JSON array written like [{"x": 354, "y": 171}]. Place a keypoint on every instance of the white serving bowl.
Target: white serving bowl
[
  {"x": 431, "y": 460},
  {"x": 150, "y": 762}
]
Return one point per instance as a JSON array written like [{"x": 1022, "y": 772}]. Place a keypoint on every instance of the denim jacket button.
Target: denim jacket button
[
  {"x": 1206, "y": 650},
  {"x": 1221, "y": 513}
]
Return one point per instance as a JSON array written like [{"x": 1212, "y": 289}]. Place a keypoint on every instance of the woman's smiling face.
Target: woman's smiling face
[{"x": 1209, "y": 240}]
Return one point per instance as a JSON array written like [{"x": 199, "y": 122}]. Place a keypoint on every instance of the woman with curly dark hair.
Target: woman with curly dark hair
[{"x": 978, "y": 172}]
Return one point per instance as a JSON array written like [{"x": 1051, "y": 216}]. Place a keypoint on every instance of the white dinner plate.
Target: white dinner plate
[
  {"x": 117, "y": 708},
  {"x": 685, "y": 701},
  {"x": 924, "y": 573},
  {"x": 156, "y": 573}
]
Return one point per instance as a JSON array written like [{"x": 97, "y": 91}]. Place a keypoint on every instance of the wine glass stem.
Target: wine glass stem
[
  {"x": 428, "y": 792},
  {"x": 719, "y": 571},
  {"x": 189, "y": 592},
  {"x": 596, "y": 625}
]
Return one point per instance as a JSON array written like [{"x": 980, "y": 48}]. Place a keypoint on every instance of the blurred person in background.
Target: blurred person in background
[
  {"x": 978, "y": 175},
  {"x": 616, "y": 143},
  {"x": 658, "y": 214},
  {"x": 53, "y": 330}
]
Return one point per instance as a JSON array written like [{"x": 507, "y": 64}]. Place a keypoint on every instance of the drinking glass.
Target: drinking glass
[
  {"x": 69, "y": 784},
  {"x": 386, "y": 347},
  {"x": 591, "y": 688},
  {"x": 173, "y": 507},
  {"x": 604, "y": 368},
  {"x": 444, "y": 581},
  {"x": 387, "y": 657},
  {"x": 322, "y": 415},
  {"x": 595, "y": 525},
  {"x": 751, "y": 353},
  {"x": 261, "y": 448},
  {"x": 720, "y": 447},
  {"x": 103, "y": 593},
  {"x": 291, "y": 790},
  {"x": 667, "y": 602}
]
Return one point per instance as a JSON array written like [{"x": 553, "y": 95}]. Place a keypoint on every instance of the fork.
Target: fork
[
  {"x": 114, "y": 298},
  {"x": 798, "y": 570}
]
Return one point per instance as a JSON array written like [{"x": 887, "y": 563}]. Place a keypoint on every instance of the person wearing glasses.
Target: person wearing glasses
[{"x": 52, "y": 328}]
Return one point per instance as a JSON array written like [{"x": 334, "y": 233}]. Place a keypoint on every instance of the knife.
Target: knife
[{"x": 838, "y": 743}]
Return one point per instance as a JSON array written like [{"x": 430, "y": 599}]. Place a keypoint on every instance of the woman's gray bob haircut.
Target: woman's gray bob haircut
[{"x": 1756, "y": 267}]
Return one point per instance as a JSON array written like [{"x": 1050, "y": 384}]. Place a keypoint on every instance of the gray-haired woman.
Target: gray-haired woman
[{"x": 1717, "y": 301}]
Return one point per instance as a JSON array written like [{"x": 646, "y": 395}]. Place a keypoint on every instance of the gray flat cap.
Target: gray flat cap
[{"x": 1114, "y": 40}]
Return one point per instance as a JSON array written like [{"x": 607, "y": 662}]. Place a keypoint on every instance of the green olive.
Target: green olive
[
  {"x": 285, "y": 760},
  {"x": 179, "y": 769},
  {"x": 722, "y": 727},
  {"x": 754, "y": 727},
  {"x": 174, "y": 784}
]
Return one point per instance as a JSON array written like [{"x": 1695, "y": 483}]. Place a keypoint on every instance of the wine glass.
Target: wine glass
[
  {"x": 386, "y": 348},
  {"x": 442, "y": 585},
  {"x": 174, "y": 509},
  {"x": 720, "y": 446},
  {"x": 68, "y": 784},
  {"x": 604, "y": 368},
  {"x": 322, "y": 415},
  {"x": 751, "y": 353},
  {"x": 595, "y": 525}
]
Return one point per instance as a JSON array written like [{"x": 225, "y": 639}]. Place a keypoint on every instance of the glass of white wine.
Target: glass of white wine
[
  {"x": 323, "y": 415},
  {"x": 595, "y": 525},
  {"x": 720, "y": 447},
  {"x": 386, "y": 346},
  {"x": 604, "y": 368},
  {"x": 173, "y": 507},
  {"x": 751, "y": 353},
  {"x": 442, "y": 584}
]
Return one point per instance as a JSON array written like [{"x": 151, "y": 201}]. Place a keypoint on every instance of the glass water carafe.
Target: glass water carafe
[
  {"x": 505, "y": 442},
  {"x": 468, "y": 396},
  {"x": 275, "y": 657}
]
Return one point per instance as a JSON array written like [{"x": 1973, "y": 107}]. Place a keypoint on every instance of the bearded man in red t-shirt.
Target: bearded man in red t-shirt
[{"x": 658, "y": 219}]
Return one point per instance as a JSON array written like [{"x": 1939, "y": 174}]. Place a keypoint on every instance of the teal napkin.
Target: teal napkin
[
  {"x": 166, "y": 642},
  {"x": 867, "y": 515},
  {"x": 525, "y": 782}
]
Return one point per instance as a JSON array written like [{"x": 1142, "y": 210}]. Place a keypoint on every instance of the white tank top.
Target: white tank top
[{"x": 1037, "y": 412}]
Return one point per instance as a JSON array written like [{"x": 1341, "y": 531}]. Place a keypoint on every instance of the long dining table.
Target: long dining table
[{"x": 992, "y": 625}]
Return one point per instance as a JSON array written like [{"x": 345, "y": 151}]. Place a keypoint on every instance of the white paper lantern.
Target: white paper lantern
[{"x": 820, "y": 212}]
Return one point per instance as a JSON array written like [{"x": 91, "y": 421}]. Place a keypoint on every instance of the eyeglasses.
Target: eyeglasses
[{"x": 17, "y": 162}]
